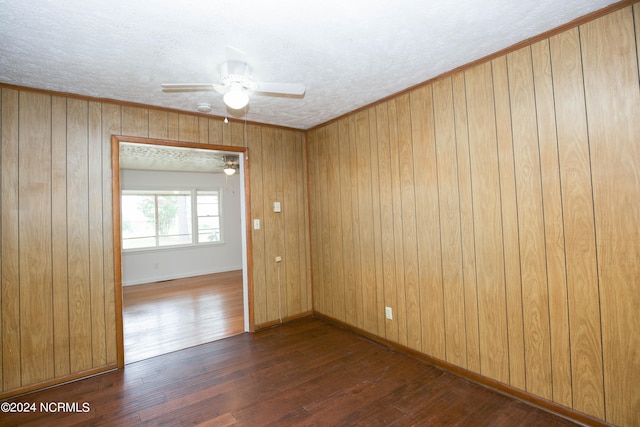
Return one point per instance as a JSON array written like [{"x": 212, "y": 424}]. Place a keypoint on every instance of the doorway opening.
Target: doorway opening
[{"x": 181, "y": 245}]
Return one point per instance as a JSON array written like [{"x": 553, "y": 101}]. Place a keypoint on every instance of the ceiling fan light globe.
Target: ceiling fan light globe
[
  {"x": 236, "y": 99},
  {"x": 229, "y": 171}
]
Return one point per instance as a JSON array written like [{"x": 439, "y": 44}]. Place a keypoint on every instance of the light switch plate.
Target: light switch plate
[{"x": 276, "y": 207}]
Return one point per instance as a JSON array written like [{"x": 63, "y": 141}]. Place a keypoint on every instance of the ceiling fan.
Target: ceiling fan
[{"x": 236, "y": 84}]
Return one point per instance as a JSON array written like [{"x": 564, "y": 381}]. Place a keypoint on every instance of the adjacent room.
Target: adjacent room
[
  {"x": 430, "y": 214},
  {"x": 182, "y": 247}
]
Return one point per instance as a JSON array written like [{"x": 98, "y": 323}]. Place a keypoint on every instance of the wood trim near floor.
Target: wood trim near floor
[
  {"x": 284, "y": 320},
  {"x": 507, "y": 390},
  {"x": 31, "y": 388}
]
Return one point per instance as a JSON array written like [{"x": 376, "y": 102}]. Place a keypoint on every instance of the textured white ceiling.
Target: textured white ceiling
[
  {"x": 347, "y": 53},
  {"x": 166, "y": 158}
]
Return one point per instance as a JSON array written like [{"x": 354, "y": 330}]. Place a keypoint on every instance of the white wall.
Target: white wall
[{"x": 143, "y": 266}]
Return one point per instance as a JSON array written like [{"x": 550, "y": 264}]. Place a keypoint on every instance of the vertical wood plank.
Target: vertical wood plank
[
  {"x": 400, "y": 316},
  {"x": 292, "y": 224},
  {"x": 449, "y": 203},
  {"x": 111, "y": 125},
  {"x": 390, "y": 331},
  {"x": 215, "y": 131},
  {"x": 345, "y": 163},
  {"x": 510, "y": 237},
  {"x": 173, "y": 126},
  {"x": 271, "y": 226},
  {"x": 59, "y": 232},
  {"x": 257, "y": 212},
  {"x": 302, "y": 210},
  {"x": 365, "y": 212},
  {"x": 314, "y": 219},
  {"x": 78, "y": 235},
  {"x": 96, "y": 236},
  {"x": 554, "y": 231},
  {"x": 357, "y": 286},
  {"x": 494, "y": 357},
  {"x": 467, "y": 232},
  {"x": 610, "y": 65},
  {"x": 324, "y": 223},
  {"x": 135, "y": 121},
  {"x": 188, "y": 128},
  {"x": 11, "y": 351},
  {"x": 158, "y": 124},
  {"x": 34, "y": 180},
  {"x": 409, "y": 227},
  {"x": 377, "y": 238},
  {"x": 237, "y": 134},
  {"x": 278, "y": 195},
  {"x": 334, "y": 232},
  {"x": 577, "y": 201},
  {"x": 203, "y": 130},
  {"x": 535, "y": 295},
  {"x": 428, "y": 222}
]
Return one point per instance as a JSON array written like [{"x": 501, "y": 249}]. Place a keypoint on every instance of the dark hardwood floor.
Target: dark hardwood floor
[
  {"x": 162, "y": 317},
  {"x": 305, "y": 372}
]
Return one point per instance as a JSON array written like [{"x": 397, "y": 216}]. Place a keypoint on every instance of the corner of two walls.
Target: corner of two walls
[{"x": 495, "y": 211}]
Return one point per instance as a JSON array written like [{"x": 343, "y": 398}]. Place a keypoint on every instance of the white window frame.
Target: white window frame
[{"x": 194, "y": 217}]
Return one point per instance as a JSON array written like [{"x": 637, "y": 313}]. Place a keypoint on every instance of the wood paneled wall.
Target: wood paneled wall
[
  {"x": 496, "y": 211},
  {"x": 57, "y": 303}
]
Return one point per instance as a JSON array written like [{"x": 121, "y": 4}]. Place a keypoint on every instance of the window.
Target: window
[{"x": 152, "y": 219}]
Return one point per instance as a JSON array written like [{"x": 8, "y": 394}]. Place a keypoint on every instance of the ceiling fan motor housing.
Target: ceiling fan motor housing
[{"x": 236, "y": 73}]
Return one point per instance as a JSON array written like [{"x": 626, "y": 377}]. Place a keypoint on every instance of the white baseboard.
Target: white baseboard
[{"x": 151, "y": 279}]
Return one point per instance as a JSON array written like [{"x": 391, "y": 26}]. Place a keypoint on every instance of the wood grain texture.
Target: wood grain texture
[
  {"x": 409, "y": 227},
  {"x": 59, "y": 232},
  {"x": 158, "y": 124},
  {"x": 466, "y": 224},
  {"x": 539, "y": 227},
  {"x": 377, "y": 233},
  {"x": 365, "y": 223},
  {"x": 11, "y": 352},
  {"x": 336, "y": 270},
  {"x": 535, "y": 295},
  {"x": 428, "y": 222},
  {"x": 388, "y": 263},
  {"x": 135, "y": 121},
  {"x": 488, "y": 224},
  {"x": 96, "y": 236},
  {"x": 78, "y": 235},
  {"x": 554, "y": 230},
  {"x": 257, "y": 212},
  {"x": 167, "y": 316},
  {"x": 356, "y": 288},
  {"x": 303, "y": 373},
  {"x": 398, "y": 234},
  {"x": 34, "y": 180},
  {"x": 449, "y": 204},
  {"x": 510, "y": 235},
  {"x": 609, "y": 59},
  {"x": 577, "y": 200},
  {"x": 347, "y": 222},
  {"x": 111, "y": 125}
]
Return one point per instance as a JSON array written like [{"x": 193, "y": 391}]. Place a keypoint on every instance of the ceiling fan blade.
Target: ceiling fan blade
[
  {"x": 281, "y": 88},
  {"x": 188, "y": 87}
]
